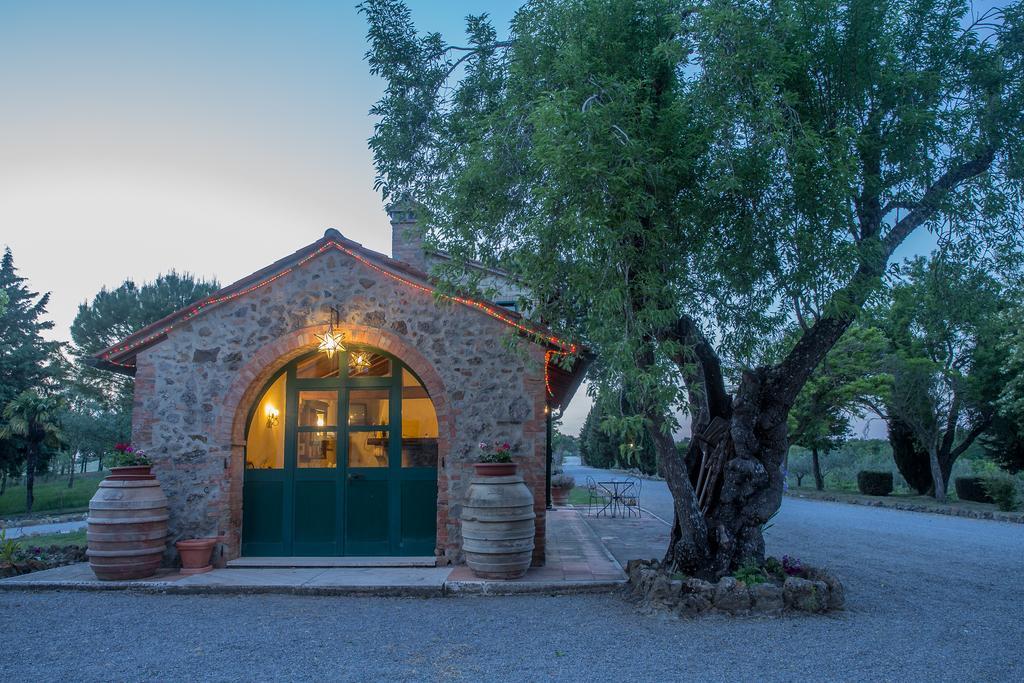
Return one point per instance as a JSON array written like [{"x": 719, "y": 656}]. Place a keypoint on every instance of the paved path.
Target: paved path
[
  {"x": 15, "y": 531},
  {"x": 930, "y": 598}
]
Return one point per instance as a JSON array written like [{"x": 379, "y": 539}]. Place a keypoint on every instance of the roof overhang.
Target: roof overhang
[{"x": 562, "y": 383}]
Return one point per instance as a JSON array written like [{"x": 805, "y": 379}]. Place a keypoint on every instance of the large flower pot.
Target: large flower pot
[
  {"x": 127, "y": 529},
  {"x": 498, "y": 524},
  {"x": 560, "y": 495},
  {"x": 195, "y": 554}
]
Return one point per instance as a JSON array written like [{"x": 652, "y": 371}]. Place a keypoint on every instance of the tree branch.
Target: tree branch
[
  {"x": 929, "y": 203},
  {"x": 697, "y": 348}
]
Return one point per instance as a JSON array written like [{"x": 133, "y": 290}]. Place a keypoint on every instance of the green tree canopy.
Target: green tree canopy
[
  {"x": 34, "y": 418},
  {"x": 113, "y": 315},
  {"x": 838, "y": 390},
  {"x": 679, "y": 181},
  {"x": 944, "y": 322},
  {"x": 27, "y": 360}
]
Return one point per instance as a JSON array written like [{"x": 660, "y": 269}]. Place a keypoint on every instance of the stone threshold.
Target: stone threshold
[
  {"x": 365, "y": 581},
  {"x": 329, "y": 562}
]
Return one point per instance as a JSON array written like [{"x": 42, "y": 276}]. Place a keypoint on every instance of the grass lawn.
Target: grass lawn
[
  {"x": 926, "y": 502},
  {"x": 580, "y": 496},
  {"x": 46, "y": 540},
  {"x": 52, "y": 496}
]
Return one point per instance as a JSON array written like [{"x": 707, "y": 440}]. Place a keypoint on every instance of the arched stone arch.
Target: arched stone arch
[{"x": 251, "y": 379}]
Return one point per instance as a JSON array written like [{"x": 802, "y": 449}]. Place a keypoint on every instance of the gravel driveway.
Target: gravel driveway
[{"x": 929, "y": 597}]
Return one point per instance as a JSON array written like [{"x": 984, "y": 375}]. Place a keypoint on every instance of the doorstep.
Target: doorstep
[
  {"x": 577, "y": 562},
  {"x": 324, "y": 562}
]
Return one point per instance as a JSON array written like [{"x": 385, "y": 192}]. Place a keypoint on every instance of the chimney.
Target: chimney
[{"x": 406, "y": 238}]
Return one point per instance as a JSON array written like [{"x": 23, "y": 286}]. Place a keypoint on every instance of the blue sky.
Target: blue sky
[{"x": 212, "y": 138}]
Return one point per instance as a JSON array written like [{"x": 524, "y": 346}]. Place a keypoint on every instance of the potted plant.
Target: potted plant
[
  {"x": 495, "y": 460},
  {"x": 128, "y": 463},
  {"x": 195, "y": 554},
  {"x": 498, "y": 519},
  {"x": 561, "y": 485}
]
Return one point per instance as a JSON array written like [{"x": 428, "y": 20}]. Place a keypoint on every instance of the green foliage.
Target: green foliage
[
  {"x": 1003, "y": 490},
  {"x": 750, "y": 573},
  {"x": 8, "y": 547},
  {"x": 874, "y": 483},
  {"x": 115, "y": 314},
  {"x": 643, "y": 164},
  {"x": 33, "y": 419},
  {"x": 597, "y": 449},
  {"x": 943, "y": 321},
  {"x": 603, "y": 443},
  {"x": 973, "y": 489},
  {"x": 26, "y": 360}
]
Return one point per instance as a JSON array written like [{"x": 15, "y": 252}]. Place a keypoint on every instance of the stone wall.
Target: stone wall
[{"x": 195, "y": 388}]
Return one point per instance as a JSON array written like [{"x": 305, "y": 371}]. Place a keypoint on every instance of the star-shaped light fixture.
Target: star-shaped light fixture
[
  {"x": 330, "y": 341},
  {"x": 360, "y": 361}
]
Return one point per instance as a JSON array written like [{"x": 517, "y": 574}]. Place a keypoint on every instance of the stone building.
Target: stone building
[{"x": 260, "y": 436}]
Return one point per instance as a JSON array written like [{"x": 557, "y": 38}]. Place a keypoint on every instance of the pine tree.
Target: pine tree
[{"x": 26, "y": 359}]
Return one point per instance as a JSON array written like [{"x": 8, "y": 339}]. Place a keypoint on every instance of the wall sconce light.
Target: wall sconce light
[
  {"x": 330, "y": 341},
  {"x": 273, "y": 416},
  {"x": 319, "y": 419}
]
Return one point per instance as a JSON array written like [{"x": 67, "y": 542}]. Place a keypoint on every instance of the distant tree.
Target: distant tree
[
  {"x": 34, "y": 419},
  {"x": 1004, "y": 441},
  {"x": 565, "y": 443},
  {"x": 89, "y": 428},
  {"x": 114, "y": 314},
  {"x": 597, "y": 449},
  {"x": 26, "y": 359},
  {"x": 835, "y": 392},
  {"x": 943, "y": 323}
]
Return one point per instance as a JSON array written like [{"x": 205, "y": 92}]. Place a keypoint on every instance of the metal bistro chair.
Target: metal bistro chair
[
  {"x": 594, "y": 499},
  {"x": 631, "y": 496}
]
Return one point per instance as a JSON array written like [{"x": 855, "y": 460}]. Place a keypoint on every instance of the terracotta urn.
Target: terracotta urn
[
  {"x": 498, "y": 522},
  {"x": 195, "y": 554},
  {"x": 127, "y": 530}
]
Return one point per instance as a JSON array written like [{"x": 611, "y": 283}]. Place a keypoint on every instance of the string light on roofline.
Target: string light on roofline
[{"x": 567, "y": 348}]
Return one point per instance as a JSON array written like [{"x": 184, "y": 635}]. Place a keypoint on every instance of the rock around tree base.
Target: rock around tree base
[{"x": 816, "y": 590}]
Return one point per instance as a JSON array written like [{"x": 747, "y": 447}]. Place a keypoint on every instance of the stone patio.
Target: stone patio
[{"x": 577, "y": 562}]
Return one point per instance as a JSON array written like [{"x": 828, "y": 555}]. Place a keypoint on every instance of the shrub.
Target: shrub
[
  {"x": 972, "y": 488},
  {"x": 750, "y": 573},
  {"x": 1003, "y": 491},
  {"x": 562, "y": 480},
  {"x": 874, "y": 483}
]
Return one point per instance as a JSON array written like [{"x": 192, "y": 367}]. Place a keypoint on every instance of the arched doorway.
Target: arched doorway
[{"x": 341, "y": 459}]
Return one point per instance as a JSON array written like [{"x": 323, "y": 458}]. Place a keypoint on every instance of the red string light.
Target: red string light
[{"x": 567, "y": 348}]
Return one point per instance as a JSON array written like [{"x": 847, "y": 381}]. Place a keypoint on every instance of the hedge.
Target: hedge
[
  {"x": 972, "y": 488},
  {"x": 874, "y": 483}
]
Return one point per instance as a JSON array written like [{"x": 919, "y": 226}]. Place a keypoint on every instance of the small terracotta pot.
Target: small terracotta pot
[
  {"x": 195, "y": 554},
  {"x": 131, "y": 473},
  {"x": 495, "y": 469},
  {"x": 560, "y": 495}
]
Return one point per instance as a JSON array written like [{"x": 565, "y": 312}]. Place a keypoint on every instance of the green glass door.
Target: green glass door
[{"x": 349, "y": 468}]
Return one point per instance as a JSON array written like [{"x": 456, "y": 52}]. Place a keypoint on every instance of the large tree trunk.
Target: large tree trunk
[
  {"x": 30, "y": 478},
  {"x": 3, "y": 483},
  {"x": 71, "y": 470},
  {"x": 819, "y": 482},
  {"x": 713, "y": 541},
  {"x": 938, "y": 481},
  {"x": 910, "y": 457}
]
